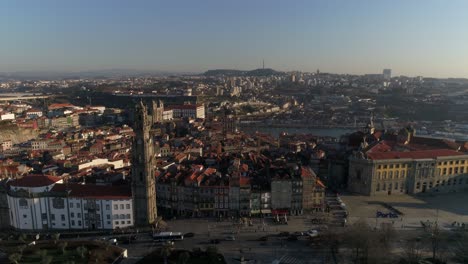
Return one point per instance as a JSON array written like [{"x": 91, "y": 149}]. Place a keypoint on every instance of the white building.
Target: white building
[
  {"x": 188, "y": 110},
  {"x": 7, "y": 116},
  {"x": 39, "y": 202}
]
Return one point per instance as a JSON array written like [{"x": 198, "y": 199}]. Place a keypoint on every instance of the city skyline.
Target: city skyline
[{"x": 417, "y": 38}]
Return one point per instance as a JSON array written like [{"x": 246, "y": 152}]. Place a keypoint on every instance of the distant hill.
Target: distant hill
[{"x": 229, "y": 72}]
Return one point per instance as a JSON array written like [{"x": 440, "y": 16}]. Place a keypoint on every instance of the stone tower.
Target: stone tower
[
  {"x": 157, "y": 111},
  {"x": 143, "y": 181}
]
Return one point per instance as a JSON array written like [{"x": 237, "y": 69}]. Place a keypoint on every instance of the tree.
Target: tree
[
  {"x": 412, "y": 253},
  {"x": 183, "y": 257},
  {"x": 22, "y": 238},
  {"x": 14, "y": 258},
  {"x": 166, "y": 252},
  {"x": 461, "y": 249},
  {"x": 81, "y": 250},
  {"x": 63, "y": 247},
  {"x": 46, "y": 260},
  {"x": 212, "y": 253},
  {"x": 56, "y": 237}
]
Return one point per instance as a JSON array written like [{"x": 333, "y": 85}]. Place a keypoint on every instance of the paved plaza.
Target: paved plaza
[{"x": 443, "y": 208}]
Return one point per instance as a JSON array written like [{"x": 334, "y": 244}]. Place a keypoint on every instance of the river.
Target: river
[{"x": 275, "y": 131}]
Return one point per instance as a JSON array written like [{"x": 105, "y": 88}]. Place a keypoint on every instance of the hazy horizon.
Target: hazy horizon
[{"x": 413, "y": 38}]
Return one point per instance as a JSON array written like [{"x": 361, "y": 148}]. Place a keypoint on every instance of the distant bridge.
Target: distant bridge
[{"x": 23, "y": 98}]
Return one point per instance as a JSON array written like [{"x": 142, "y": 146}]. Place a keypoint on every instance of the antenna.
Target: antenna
[{"x": 263, "y": 63}]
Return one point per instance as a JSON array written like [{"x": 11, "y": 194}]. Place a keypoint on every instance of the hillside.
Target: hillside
[{"x": 232, "y": 73}]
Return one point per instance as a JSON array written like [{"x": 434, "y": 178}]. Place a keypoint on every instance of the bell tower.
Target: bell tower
[{"x": 143, "y": 181}]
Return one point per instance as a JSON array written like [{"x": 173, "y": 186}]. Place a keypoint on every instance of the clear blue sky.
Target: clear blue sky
[{"x": 412, "y": 37}]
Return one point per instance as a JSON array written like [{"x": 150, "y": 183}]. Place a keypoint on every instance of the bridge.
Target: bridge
[{"x": 22, "y": 97}]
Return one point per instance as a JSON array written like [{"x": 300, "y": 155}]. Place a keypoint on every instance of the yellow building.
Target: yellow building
[{"x": 399, "y": 172}]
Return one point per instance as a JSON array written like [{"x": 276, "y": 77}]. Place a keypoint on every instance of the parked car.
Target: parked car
[
  {"x": 189, "y": 234},
  {"x": 215, "y": 241},
  {"x": 312, "y": 233},
  {"x": 230, "y": 238}
]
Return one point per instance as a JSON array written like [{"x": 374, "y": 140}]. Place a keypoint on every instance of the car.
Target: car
[
  {"x": 189, "y": 234},
  {"x": 113, "y": 241},
  {"x": 166, "y": 243},
  {"x": 230, "y": 238},
  {"x": 312, "y": 233},
  {"x": 215, "y": 241},
  {"x": 298, "y": 233},
  {"x": 292, "y": 238}
]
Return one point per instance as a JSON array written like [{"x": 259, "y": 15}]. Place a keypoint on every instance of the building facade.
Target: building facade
[
  {"x": 41, "y": 202},
  {"x": 410, "y": 172}
]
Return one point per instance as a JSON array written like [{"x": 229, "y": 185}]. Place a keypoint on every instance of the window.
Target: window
[
  {"x": 384, "y": 166},
  {"x": 108, "y": 222},
  {"x": 402, "y": 173},
  {"x": 78, "y": 215},
  {"x": 377, "y": 188},
  {"x": 72, "y": 214},
  {"x": 462, "y": 169},
  {"x": 444, "y": 171},
  {"x": 391, "y": 166},
  {"x": 128, "y": 216},
  {"x": 418, "y": 185},
  {"x": 450, "y": 170},
  {"x": 380, "y": 166},
  {"x": 121, "y": 206},
  {"x": 116, "y": 216},
  {"x": 443, "y": 182},
  {"x": 98, "y": 207},
  {"x": 25, "y": 216},
  {"x": 107, "y": 207},
  {"x": 430, "y": 184},
  {"x": 460, "y": 181},
  {"x": 79, "y": 222},
  {"x": 396, "y": 185},
  {"x": 23, "y": 203},
  {"x": 384, "y": 175},
  {"x": 52, "y": 217},
  {"x": 384, "y": 186},
  {"x": 122, "y": 222},
  {"x": 116, "y": 222},
  {"x": 127, "y": 206},
  {"x": 128, "y": 222},
  {"x": 397, "y": 166},
  {"x": 449, "y": 182},
  {"x": 390, "y": 174},
  {"x": 122, "y": 216},
  {"x": 71, "y": 205},
  {"x": 108, "y": 217},
  {"x": 116, "y": 207},
  {"x": 44, "y": 216},
  {"x": 78, "y": 205},
  {"x": 62, "y": 217},
  {"x": 73, "y": 222},
  {"x": 397, "y": 174}
]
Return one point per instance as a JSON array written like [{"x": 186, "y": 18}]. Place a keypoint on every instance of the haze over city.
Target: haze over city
[{"x": 414, "y": 38}]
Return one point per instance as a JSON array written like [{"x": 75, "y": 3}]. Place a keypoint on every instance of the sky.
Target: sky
[{"x": 411, "y": 37}]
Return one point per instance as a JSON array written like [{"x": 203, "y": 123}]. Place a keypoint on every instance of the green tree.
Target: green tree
[
  {"x": 212, "y": 253},
  {"x": 166, "y": 251},
  {"x": 63, "y": 247},
  {"x": 56, "y": 237},
  {"x": 81, "y": 250},
  {"x": 183, "y": 258},
  {"x": 46, "y": 260},
  {"x": 15, "y": 258},
  {"x": 22, "y": 238}
]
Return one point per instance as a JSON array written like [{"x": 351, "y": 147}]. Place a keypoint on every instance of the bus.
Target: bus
[{"x": 168, "y": 236}]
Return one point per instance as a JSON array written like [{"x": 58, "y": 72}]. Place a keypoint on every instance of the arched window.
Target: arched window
[
  {"x": 396, "y": 186},
  {"x": 23, "y": 202},
  {"x": 384, "y": 186},
  {"x": 397, "y": 174},
  {"x": 378, "y": 187}
]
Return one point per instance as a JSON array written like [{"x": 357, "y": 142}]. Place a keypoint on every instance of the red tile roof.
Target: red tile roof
[
  {"x": 94, "y": 191},
  {"x": 422, "y": 154},
  {"x": 35, "y": 181}
]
